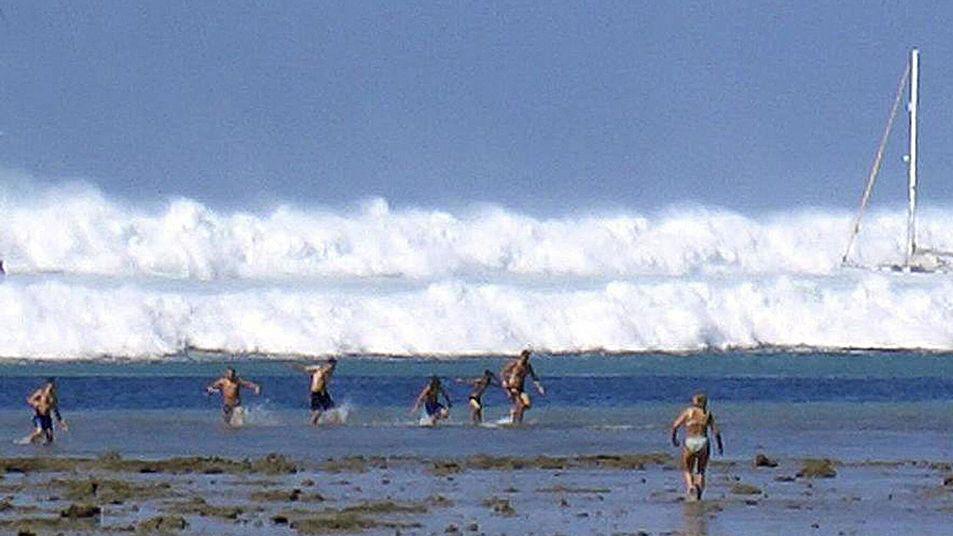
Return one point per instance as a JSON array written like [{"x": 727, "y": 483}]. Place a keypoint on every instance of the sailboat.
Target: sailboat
[{"x": 916, "y": 258}]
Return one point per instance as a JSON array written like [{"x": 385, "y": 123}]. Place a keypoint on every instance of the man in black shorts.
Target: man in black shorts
[
  {"x": 321, "y": 401},
  {"x": 480, "y": 385}
]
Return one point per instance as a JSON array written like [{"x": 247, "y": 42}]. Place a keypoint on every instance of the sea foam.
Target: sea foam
[
  {"x": 81, "y": 231},
  {"x": 60, "y": 320},
  {"x": 84, "y": 270}
]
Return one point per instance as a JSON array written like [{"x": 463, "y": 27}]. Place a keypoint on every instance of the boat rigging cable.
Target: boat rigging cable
[{"x": 875, "y": 168}]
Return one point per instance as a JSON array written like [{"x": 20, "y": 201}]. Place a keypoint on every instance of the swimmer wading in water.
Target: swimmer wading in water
[
  {"x": 320, "y": 398},
  {"x": 480, "y": 385},
  {"x": 514, "y": 380},
  {"x": 230, "y": 385},
  {"x": 45, "y": 406},
  {"x": 429, "y": 398},
  {"x": 696, "y": 419}
]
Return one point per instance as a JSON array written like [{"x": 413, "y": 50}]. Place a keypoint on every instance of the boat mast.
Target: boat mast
[{"x": 912, "y": 157}]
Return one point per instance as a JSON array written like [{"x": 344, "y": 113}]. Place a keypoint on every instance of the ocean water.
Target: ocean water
[
  {"x": 852, "y": 407},
  {"x": 137, "y": 307}
]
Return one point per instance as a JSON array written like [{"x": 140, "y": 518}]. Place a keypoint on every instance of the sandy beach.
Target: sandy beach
[{"x": 602, "y": 494}]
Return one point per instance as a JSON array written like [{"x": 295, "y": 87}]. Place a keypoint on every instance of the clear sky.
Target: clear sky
[{"x": 534, "y": 105}]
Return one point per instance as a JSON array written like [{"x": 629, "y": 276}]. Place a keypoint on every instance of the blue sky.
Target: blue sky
[{"x": 535, "y": 105}]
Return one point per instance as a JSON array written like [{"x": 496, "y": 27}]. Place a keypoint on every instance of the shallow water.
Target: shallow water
[{"x": 851, "y": 407}]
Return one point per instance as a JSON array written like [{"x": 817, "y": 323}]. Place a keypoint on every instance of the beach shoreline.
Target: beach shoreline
[{"x": 597, "y": 494}]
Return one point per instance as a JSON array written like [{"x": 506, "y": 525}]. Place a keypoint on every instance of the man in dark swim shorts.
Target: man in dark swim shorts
[
  {"x": 321, "y": 401},
  {"x": 429, "y": 398},
  {"x": 45, "y": 405}
]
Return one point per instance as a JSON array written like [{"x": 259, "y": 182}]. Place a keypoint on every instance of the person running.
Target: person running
[
  {"x": 429, "y": 398},
  {"x": 696, "y": 419},
  {"x": 230, "y": 385},
  {"x": 514, "y": 380},
  {"x": 321, "y": 401},
  {"x": 45, "y": 406},
  {"x": 480, "y": 385}
]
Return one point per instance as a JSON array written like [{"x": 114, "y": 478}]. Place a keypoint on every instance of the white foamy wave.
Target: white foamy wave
[
  {"x": 81, "y": 231},
  {"x": 54, "y": 319}
]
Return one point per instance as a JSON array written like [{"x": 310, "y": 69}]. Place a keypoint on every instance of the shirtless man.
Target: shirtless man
[
  {"x": 480, "y": 385},
  {"x": 697, "y": 420},
  {"x": 320, "y": 397},
  {"x": 230, "y": 385},
  {"x": 45, "y": 406},
  {"x": 429, "y": 398},
  {"x": 514, "y": 380}
]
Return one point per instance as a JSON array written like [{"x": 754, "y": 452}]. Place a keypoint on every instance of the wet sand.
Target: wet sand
[{"x": 624, "y": 494}]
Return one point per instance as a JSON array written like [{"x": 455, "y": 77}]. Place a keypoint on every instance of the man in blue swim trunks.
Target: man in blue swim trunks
[
  {"x": 321, "y": 400},
  {"x": 429, "y": 398},
  {"x": 45, "y": 406}
]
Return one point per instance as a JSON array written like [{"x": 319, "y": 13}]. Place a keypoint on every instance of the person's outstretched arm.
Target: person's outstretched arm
[
  {"x": 506, "y": 372},
  {"x": 251, "y": 385},
  {"x": 676, "y": 425},
  {"x": 56, "y": 413},
  {"x": 536, "y": 381},
  {"x": 419, "y": 400},
  {"x": 717, "y": 433},
  {"x": 214, "y": 386}
]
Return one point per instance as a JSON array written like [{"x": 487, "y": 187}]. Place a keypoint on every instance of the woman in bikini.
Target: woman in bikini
[{"x": 697, "y": 420}]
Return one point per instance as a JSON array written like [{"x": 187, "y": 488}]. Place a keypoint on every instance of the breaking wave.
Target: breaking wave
[
  {"x": 81, "y": 231},
  {"x": 59, "y": 320},
  {"x": 137, "y": 283}
]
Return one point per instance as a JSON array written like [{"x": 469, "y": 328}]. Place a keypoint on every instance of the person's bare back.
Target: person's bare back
[{"x": 696, "y": 420}]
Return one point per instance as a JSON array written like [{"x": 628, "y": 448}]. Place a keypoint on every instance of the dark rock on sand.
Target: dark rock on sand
[
  {"x": 277, "y": 495},
  {"x": 740, "y": 488},
  {"x": 763, "y": 461},
  {"x": 110, "y": 491},
  {"x": 386, "y": 507},
  {"x": 343, "y": 522},
  {"x": 500, "y": 506},
  {"x": 81, "y": 511},
  {"x": 273, "y": 464},
  {"x": 439, "y": 501},
  {"x": 822, "y": 468},
  {"x": 197, "y": 506},
  {"x": 162, "y": 524}
]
